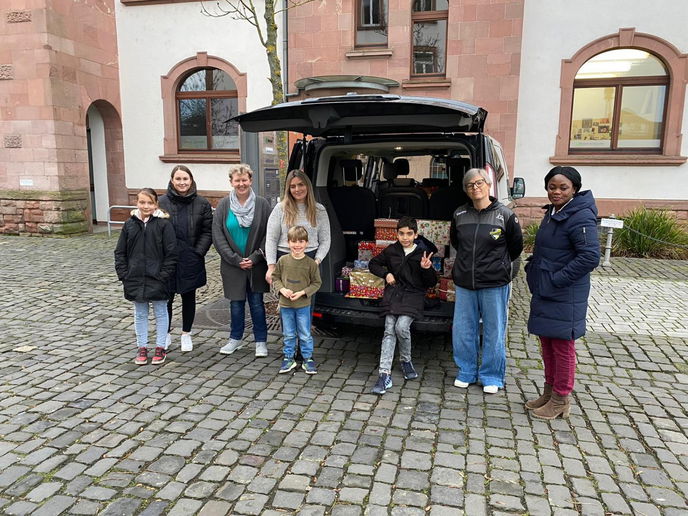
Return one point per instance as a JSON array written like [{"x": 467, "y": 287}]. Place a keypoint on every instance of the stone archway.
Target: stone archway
[{"x": 106, "y": 158}]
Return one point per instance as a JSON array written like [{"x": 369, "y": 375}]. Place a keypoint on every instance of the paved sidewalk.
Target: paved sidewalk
[{"x": 84, "y": 431}]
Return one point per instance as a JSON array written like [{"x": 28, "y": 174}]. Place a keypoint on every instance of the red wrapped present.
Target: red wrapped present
[
  {"x": 447, "y": 289},
  {"x": 366, "y": 248},
  {"x": 386, "y": 229},
  {"x": 379, "y": 248}
]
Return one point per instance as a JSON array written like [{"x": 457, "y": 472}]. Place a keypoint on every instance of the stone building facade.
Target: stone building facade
[{"x": 58, "y": 63}]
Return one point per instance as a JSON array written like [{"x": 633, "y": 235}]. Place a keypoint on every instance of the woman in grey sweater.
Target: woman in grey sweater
[
  {"x": 298, "y": 208},
  {"x": 239, "y": 227}
]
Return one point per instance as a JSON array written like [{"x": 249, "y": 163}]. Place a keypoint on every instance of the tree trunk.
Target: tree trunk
[{"x": 276, "y": 81}]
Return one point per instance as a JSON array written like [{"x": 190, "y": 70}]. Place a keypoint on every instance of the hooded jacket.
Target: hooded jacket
[
  {"x": 192, "y": 219},
  {"x": 407, "y": 295},
  {"x": 146, "y": 257},
  {"x": 558, "y": 273},
  {"x": 486, "y": 242}
]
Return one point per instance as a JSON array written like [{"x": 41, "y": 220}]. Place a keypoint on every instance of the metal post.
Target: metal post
[{"x": 608, "y": 246}]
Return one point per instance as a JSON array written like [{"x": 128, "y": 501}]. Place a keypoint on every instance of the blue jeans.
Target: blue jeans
[
  {"x": 297, "y": 321},
  {"x": 141, "y": 323},
  {"x": 238, "y": 316},
  {"x": 396, "y": 327},
  {"x": 492, "y": 305}
]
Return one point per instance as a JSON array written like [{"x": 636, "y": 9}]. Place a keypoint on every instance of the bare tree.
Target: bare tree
[{"x": 246, "y": 10}]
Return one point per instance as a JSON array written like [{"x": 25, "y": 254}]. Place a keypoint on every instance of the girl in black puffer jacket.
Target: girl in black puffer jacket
[
  {"x": 145, "y": 258},
  {"x": 192, "y": 219}
]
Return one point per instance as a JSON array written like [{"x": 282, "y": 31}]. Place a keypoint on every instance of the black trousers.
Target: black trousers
[{"x": 188, "y": 310}]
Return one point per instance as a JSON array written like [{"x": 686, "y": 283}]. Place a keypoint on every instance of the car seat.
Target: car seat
[
  {"x": 402, "y": 197},
  {"x": 354, "y": 206},
  {"x": 444, "y": 201}
]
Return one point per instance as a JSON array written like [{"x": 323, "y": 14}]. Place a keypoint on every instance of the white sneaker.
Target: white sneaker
[
  {"x": 168, "y": 341},
  {"x": 232, "y": 346},
  {"x": 261, "y": 349},
  {"x": 462, "y": 385},
  {"x": 187, "y": 345},
  {"x": 490, "y": 389}
]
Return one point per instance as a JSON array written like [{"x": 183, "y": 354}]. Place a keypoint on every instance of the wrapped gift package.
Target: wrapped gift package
[
  {"x": 379, "y": 248},
  {"x": 346, "y": 271},
  {"x": 447, "y": 290},
  {"x": 437, "y": 263},
  {"x": 360, "y": 264},
  {"x": 448, "y": 266},
  {"x": 365, "y": 250},
  {"x": 437, "y": 231},
  {"x": 385, "y": 243},
  {"x": 441, "y": 251},
  {"x": 365, "y": 285},
  {"x": 386, "y": 229},
  {"x": 341, "y": 285}
]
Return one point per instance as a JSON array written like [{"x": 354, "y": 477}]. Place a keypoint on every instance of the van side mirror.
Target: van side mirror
[{"x": 518, "y": 191}]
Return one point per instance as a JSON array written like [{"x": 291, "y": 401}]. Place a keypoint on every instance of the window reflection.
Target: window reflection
[
  {"x": 619, "y": 102},
  {"x": 206, "y": 100}
]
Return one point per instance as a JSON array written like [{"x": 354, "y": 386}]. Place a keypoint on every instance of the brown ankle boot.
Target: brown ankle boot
[
  {"x": 546, "y": 394},
  {"x": 555, "y": 407}
]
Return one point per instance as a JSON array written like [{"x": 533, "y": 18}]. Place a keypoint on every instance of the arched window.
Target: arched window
[
  {"x": 206, "y": 100},
  {"x": 619, "y": 100},
  {"x": 199, "y": 95},
  {"x": 622, "y": 99}
]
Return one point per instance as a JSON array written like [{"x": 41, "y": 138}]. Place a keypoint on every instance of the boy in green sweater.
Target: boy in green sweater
[{"x": 296, "y": 277}]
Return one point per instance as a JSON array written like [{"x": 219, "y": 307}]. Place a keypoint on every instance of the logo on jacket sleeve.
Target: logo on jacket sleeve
[{"x": 496, "y": 233}]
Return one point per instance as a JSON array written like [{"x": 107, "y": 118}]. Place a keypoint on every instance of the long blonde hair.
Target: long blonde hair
[{"x": 289, "y": 204}]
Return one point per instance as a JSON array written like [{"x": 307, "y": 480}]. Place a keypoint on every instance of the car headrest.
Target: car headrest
[
  {"x": 388, "y": 171},
  {"x": 352, "y": 168},
  {"x": 456, "y": 168},
  {"x": 404, "y": 181},
  {"x": 401, "y": 167}
]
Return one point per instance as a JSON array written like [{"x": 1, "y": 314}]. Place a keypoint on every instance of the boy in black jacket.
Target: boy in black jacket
[{"x": 408, "y": 273}]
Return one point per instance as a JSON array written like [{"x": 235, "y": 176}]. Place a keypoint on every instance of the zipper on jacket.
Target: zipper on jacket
[
  {"x": 585, "y": 237},
  {"x": 475, "y": 241}
]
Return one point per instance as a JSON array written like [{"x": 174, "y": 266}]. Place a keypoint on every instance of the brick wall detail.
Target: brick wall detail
[
  {"x": 6, "y": 72},
  {"x": 43, "y": 213},
  {"x": 18, "y": 16},
  {"x": 12, "y": 141},
  {"x": 529, "y": 210}
]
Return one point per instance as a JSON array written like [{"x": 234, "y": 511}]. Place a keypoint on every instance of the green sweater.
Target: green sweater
[{"x": 296, "y": 275}]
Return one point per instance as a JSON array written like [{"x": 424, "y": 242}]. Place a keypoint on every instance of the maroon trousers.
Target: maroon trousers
[{"x": 559, "y": 357}]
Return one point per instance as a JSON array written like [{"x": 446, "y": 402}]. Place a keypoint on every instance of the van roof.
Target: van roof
[{"x": 366, "y": 114}]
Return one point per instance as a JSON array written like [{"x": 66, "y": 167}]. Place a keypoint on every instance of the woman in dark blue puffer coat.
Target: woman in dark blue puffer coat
[{"x": 558, "y": 273}]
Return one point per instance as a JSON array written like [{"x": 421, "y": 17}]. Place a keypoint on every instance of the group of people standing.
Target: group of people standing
[
  {"x": 488, "y": 240},
  {"x": 162, "y": 246},
  {"x": 161, "y": 250}
]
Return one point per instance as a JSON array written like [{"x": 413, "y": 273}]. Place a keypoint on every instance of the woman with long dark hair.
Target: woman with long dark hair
[{"x": 192, "y": 218}]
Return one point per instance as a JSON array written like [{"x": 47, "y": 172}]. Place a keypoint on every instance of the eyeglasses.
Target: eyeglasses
[{"x": 476, "y": 184}]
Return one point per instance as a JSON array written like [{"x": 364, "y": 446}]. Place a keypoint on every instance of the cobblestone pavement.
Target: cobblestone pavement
[{"x": 84, "y": 431}]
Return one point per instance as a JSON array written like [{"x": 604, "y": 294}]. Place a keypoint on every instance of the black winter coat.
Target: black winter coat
[
  {"x": 194, "y": 236},
  {"x": 145, "y": 258},
  {"x": 486, "y": 242},
  {"x": 407, "y": 295},
  {"x": 558, "y": 273}
]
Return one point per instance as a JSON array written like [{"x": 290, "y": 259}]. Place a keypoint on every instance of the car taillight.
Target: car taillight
[{"x": 317, "y": 315}]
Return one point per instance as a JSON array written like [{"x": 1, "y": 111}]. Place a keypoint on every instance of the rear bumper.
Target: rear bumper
[{"x": 335, "y": 309}]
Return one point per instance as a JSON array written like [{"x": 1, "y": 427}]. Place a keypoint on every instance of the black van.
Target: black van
[{"x": 384, "y": 156}]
